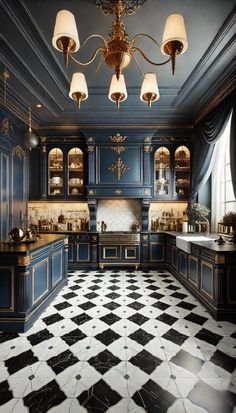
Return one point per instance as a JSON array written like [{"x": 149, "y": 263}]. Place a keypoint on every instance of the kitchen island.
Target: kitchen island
[{"x": 31, "y": 275}]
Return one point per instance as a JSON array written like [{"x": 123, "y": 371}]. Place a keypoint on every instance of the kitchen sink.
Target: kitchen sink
[{"x": 183, "y": 242}]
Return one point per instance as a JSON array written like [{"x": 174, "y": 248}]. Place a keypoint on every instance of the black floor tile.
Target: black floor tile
[
  {"x": 152, "y": 287},
  {"x": 40, "y": 401},
  {"x": 54, "y": 318},
  {"x": 141, "y": 337},
  {"x": 156, "y": 295},
  {"x": 99, "y": 398},
  {"x": 112, "y": 296},
  {"x": 63, "y": 360},
  {"x": 172, "y": 287},
  {"x": 17, "y": 363},
  {"x": 138, "y": 319},
  {"x": 73, "y": 337},
  {"x": 37, "y": 338},
  {"x": 74, "y": 287},
  {"x": 110, "y": 318},
  {"x": 136, "y": 305},
  {"x": 91, "y": 296},
  {"x": 5, "y": 336},
  {"x": 187, "y": 361},
  {"x": 104, "y": 361},
  {"x": 195, "y": 318},
  {"x": 175, "y": 336},
  {"x": 167, "y": 319},
  {"x": 153, "y": 398},
  {"x": 160, "y": 305},
  {"x": 181, "y": 296},
  {"x": 223, "y": 360},
  {"x": 62, "y": 306},
  {"x": 5, "y": 393},
  {"x": 145, "y": 361},
  {"x": 87, "y": 305},
  {"x": 94, "y": 288},
  {"x": 186, "y": 305},
  {"x": 107, "y": 337},
  {"x": 111, "y": 305},
  {"x": 81, "y": 319},
  {"x": 134, "y": 296},
  {"x": 208, "y": 336},
  {"x": 68, "y": 296}
]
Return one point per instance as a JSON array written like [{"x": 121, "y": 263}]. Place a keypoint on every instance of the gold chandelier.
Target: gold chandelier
[{"x": 118, "y": 50}]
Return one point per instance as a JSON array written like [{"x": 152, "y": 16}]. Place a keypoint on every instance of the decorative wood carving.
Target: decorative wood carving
[
  {"x": 118, "y": 138},
  {"x": 5, "y": 127},
  {"x": 118, "y": 168},
  {"x": 118, "y": 149},
  {"x": 18, "y": 151}
]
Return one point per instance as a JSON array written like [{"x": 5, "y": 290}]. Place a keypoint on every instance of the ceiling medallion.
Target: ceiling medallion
[
  {"x": 129, "y": 6},
  {"x": 118, "y": 168},
  {"x": 118, "y": 50}
]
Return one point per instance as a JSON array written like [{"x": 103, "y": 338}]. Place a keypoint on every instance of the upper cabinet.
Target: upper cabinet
[
  {"x": 162, "y": 172},
  {"x": 55, "y": 172},
  {"x": 60, "y": 172},
  {"x": 172, "y": 172},
  {"x": 182, "y": 172},
  {"x": 75, "y": 170}
]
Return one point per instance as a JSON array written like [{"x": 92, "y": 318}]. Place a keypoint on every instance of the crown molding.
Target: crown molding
[
  {"x": 195, "y": 76},
  {"x": 21, "y": 18}
]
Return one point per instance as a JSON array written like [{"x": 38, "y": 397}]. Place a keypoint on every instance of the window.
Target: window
[{"x": 223, "y": 199}]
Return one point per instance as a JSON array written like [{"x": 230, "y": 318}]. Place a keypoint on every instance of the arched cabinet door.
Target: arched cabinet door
[
  {"x": 55, "y": 172},
  {"x": 182, "y": 172},
  {"x": 162, "y": 173},
  {"x": 75, "y": 172}
]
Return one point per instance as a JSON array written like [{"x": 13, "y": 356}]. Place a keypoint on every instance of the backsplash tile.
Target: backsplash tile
[{"x": 119, "y": 214}]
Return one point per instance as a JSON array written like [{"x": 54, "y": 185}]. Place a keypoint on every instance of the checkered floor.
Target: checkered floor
[{"x": 120, "y": 342}]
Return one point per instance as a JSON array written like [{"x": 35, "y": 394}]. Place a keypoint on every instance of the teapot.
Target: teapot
[{"x": 17, "y": 234}]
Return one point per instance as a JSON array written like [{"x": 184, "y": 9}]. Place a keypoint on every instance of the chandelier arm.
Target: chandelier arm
[
  {"x": 99, "y": 65},
  {"x": 150, "y": 61},
  {"x": 99, "y": 49},
  {"x": 138, "y": 65},
  {"x": 145, "y": 35},
  {"x": 93, "y": 36}
]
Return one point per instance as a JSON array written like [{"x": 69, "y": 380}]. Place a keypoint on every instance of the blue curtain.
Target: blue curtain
[{"x": 207, "y": 133}]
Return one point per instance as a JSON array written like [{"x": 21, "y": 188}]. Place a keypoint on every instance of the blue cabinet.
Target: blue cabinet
[
  {"x": 156, "y": 248},
  {"x": 119, "y": 164},
  {"x": 30, "y": 277}
]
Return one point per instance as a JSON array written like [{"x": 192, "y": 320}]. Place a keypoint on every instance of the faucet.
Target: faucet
[{"x": 206, "y": 221}]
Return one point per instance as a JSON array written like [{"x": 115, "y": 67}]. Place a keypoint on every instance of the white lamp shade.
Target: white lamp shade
[
  {"x": 78, "y": 85},
  {"x": 65, "y": 26},
  {"x": 174, "y": 30},
  {"x": 118, "y": 87},
  {"x": 149, "y": 86}
]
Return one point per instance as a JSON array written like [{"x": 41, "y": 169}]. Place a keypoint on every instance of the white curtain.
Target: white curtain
[{"x": 218, "y": 190}]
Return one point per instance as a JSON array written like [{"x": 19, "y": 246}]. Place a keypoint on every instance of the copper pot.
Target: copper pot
[{"x": 17, "y": 234}]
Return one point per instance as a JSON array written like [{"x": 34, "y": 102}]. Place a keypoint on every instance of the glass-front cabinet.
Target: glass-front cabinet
[
  {"x": 65, "y": 172},
  {"x": 75, "y": 172},
  {"x": 162, "y": 172},
  {"x": 182, "y": 172},
  {"x": 55, "y": 172},
  {"x": 172, "y": 172}
]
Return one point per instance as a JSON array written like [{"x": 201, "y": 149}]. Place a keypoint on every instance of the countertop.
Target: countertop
[
  {"x": 23, "y": 248},
  {"x": 211, "y": 245}
]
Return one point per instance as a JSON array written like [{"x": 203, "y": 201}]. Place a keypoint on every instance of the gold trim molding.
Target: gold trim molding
[
  {"x": 118, "y": 138},
  {"x": 118, "y": 149},
  {"x": 23, "y": 260},
  {"x": 5, "y": 127},
  {"x": 19, "y": 152},
  {"x": 118, "y": 168}
]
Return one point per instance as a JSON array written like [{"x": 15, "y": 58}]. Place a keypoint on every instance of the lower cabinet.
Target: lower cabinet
[
  {"x": 79, "y": 249},
  {"x": 29, "y": 280},
  {"x": 156, "y": 248},
  {"x": 193, "y": 273},
  {"x": 183, "y": 263}
]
